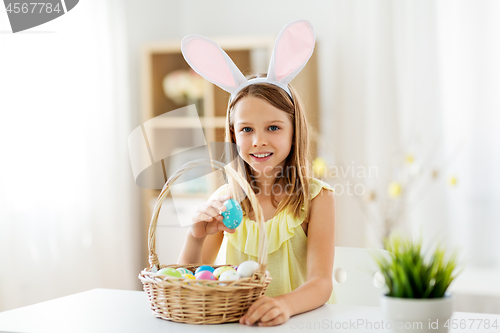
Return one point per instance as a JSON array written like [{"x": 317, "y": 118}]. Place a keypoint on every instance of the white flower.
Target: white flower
[{"x": 181, "y": 84}]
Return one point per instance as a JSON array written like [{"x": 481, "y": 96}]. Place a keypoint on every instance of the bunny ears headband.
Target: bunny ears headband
[{"x": 292, "y": 49}]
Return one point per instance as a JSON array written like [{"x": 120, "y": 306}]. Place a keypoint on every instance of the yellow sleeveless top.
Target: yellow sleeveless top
[{"x": 287, "y": 246}]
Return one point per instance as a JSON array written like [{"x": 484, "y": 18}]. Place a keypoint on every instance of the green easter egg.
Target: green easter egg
[{"x": 169, "y": 271}]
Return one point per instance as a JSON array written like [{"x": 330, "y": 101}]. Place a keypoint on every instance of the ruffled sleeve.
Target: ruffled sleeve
[
  {"x": 279, "y": 229},
  {"x": 315, "y": 187}
]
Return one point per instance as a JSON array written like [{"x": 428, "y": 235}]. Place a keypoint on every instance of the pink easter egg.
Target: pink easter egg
[{"x": 204, "y": 275}]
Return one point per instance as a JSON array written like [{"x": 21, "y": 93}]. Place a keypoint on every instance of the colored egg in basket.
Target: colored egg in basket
[
  {"x": 204, "y": 275},
  {"x": 204, "y": 268},
  {"x": 169, "y": 271},
  {"x": 188, "y": 277},
  {"x": 183, "y": 270}
]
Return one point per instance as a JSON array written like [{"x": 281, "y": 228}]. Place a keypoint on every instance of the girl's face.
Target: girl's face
[{"x": 261, "y": 129}]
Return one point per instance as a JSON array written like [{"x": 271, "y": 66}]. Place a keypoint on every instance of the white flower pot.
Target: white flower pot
[{"x": 417, "y": 315}]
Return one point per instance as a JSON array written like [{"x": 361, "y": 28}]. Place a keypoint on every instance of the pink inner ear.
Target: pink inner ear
[
  {"x": 209, "y": 62},
  {"x": 293, "y": 49}
]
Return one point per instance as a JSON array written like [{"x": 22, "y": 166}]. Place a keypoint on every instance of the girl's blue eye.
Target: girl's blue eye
[{"x": 248, "y": 129}]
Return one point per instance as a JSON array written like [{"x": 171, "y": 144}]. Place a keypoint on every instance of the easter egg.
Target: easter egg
[
  {"x": 204, "y": 268},
  {"x": 230, "y": 275},
  {"x": 218, "y": 271},
  {"x": 183, "y": 270},
  {"x": 204, "y": 275},
  {"x": 169, "y": 271},
  {"x": 233, "y": 214},
  {"x": 188, "y": 276},
  {"x": 247, "y": 268}
]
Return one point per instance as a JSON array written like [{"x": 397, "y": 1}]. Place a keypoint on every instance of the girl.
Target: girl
[{"x": 266, "y": 120}]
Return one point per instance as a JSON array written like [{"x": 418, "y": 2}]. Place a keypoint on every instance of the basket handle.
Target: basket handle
[{"x": 262, "y": 255}]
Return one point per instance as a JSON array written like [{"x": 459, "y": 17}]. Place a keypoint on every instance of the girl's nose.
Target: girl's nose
[{"x": 259, "y": 140}]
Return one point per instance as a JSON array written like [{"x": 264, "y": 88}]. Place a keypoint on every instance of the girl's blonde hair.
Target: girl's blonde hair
[{"x": 297, "y": 168}]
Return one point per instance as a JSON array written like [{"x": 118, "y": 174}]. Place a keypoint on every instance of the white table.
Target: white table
[
  {"x": 108, "y": 310},
  {"x": 477, "y": 289}
]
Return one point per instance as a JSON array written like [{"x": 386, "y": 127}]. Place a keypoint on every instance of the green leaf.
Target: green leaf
[{"x": 406, "y": 289}]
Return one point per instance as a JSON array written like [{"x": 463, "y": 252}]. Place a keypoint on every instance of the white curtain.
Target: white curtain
[
  {"x": 447, "y": 74},
  {"x": 419, "y": 77},
  {"x": 67, "y": 218},
  {"x": 469, "y": 49}
]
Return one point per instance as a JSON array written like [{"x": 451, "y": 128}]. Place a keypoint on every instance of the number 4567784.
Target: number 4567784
[
  {"x": 471, "y": 323},
  {"x": 31, "y": 7}
]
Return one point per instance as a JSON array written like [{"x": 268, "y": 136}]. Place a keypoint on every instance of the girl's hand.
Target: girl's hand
[
  {"x": 207, "y": 220},
  {"x": 269, "y": 311}
]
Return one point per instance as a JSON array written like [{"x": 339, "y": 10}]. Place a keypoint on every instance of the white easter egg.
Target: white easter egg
[
  {"x": 227, "y": 276},
  {"x": 247, "y": 268},
  {"x": 231, "y": 275}
]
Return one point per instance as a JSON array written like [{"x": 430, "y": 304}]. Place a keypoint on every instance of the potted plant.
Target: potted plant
[{"x": 417, "y": 299}]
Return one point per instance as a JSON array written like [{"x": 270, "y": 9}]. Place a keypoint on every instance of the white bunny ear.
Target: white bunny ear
[
  {"x": 292, "y": 49},
  {"x": 208, "y": 59}
]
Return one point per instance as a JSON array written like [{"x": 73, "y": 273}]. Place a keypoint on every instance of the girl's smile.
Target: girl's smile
[
  {"x": 263, "y": 133},
  {"x": 262, "y": 157}
]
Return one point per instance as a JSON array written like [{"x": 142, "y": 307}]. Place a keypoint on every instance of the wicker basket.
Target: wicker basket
[{"x": 203, "y": 301}]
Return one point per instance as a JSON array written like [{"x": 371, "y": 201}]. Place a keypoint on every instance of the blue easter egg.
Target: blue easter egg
[
  {"x": 204, "y": 268},
  {"x": 233, "y": 215}
]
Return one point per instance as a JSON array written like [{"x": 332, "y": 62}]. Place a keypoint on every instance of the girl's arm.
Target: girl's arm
[
  {"x": 191, "y": 251},
  {"x": 206, "y": 233},
  {"x": 320, "y": 255},
  {"x": 201, "y": 250},
  {"x": 211, "y": 248},
  {"x": 316, "y": 291}
]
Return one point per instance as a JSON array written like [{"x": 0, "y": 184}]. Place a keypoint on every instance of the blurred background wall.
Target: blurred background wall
[{"x": 413, "y": 81}]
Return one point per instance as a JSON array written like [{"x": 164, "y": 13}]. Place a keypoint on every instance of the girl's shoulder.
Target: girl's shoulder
[{"x": 315, "y": 186}]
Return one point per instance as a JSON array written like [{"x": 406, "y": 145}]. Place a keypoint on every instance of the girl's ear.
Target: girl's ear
[
  {"x": 292, "y": 49},
  {"x": 208, "y": 59}
]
